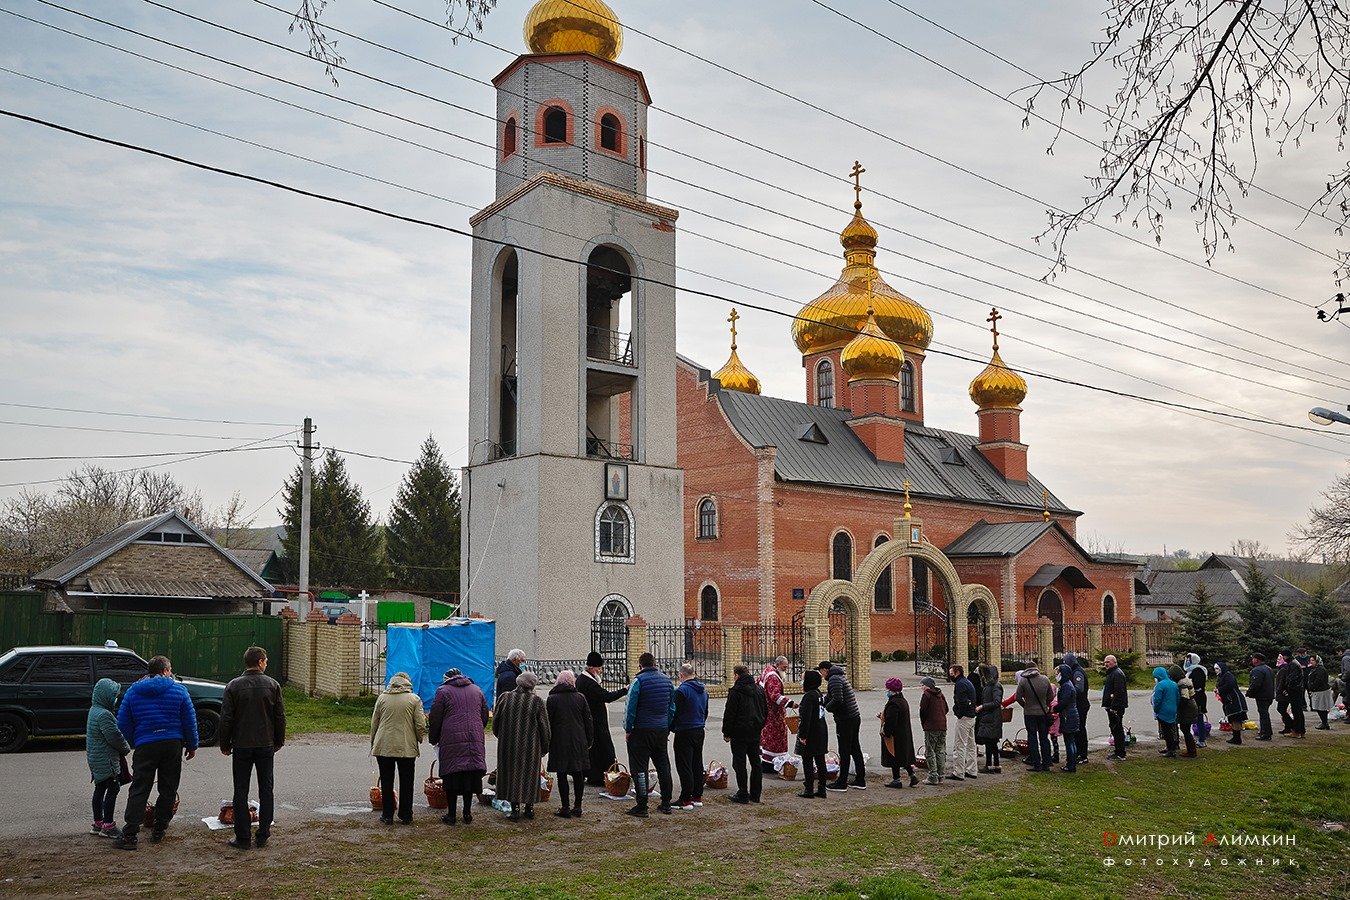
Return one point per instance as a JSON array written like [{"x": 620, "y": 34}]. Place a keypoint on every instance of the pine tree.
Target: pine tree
[
  {"x": 345, "y": 547},
  {"x": 1201, "y": 628},
  {"x": 1321, "y": 623},
  {"x": 1264, "y": 624},
  {"x": 423, "y": 532}
]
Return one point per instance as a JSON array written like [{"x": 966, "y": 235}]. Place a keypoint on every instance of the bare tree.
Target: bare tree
[
  {"x": 464, "y": 16},
  {"x": 1249, "y": 548},
  {"x": 1327, "y": 531},
  {"x": 1203, "y": 83}
]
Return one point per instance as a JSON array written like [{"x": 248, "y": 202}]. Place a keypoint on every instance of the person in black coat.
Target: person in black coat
[
  {"x": 508, "y": 670},
  {"x": 1261, "y": 688},
  {"x": 897, "y": 730},
  {"x": 1230, "y": 699},
  {"x": 746, "y": 712},
  {"x": 1289, "y": 694},
  {"x": 1115, "y": 700},
  {"x": 602, "y": 745},
  {"x": 813, "y": 735},
  {"x": 570, "y": 736}
]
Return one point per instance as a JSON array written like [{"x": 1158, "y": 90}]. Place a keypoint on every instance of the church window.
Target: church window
[
  {"x": 841, "y": 551},
  {"x": 708, "y": 603},
  {"x": 825, "y": 384},
  {"x": 510, "y": 137},
  {"x": 907, "y": 386},
  {"x": 614, "y": 533},
  {"x": 1108, "y": 610},
  {"x": 555, "y": 125},
  {"x": 611, "y": 133},
  {"x": 707, "y": 519},
  {"x": 883, "y": 597}
]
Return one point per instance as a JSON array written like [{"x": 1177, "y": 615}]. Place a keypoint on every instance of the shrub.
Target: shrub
[
  {"x": 1128, "y": 661},
  {"x": 877, "y": 656},
  {"x": 899, "y": 655}
]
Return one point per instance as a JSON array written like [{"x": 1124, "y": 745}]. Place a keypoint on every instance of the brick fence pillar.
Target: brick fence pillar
[
  {"x": 337, "y": 667},
  {"x": 1140, "y": 645},
  {"x": 1094, "y": 644},
  {"x": 733, "y": 649},
  {"x": 1045, "y": 644},
  {"x": 289, "y": 619},
  {"x": 636, "y": 644}
]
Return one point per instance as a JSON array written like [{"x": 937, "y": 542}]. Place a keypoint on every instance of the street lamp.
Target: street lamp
[{"x": 1323, "y": 416}]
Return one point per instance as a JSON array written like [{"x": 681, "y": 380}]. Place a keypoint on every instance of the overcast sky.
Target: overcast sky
[{"x": 135, "y": 285}]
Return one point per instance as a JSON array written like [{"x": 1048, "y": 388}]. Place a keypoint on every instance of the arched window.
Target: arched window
[
  {"x": 510, "y": 137},
  {"x": 611, "y": 133},
  {"x": 825, "y": 384},
  {"x": 907, "y": 386},
  {"x": 555, "y": 125},
  {"x": 708, "y": 604},
  {"x": 1108, "y": 610},
  {"x": 707, "y": 519},
  {"x": 614, "y": 533},
  {"x": 918, "y": 583},
  {"x": 842, "y": 556},
  {"x": 883, "y": 596}
]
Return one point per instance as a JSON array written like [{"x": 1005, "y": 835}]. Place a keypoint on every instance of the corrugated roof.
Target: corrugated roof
[
  {"x": 1224, "y": 586},
  {"x": 1003, "y": 539},
  {"x": 1047, "y": 574},
  {"x": 256, "y": 560},
  {"x": 143, "y": 586},
  {"x": 846, "y": 461}
]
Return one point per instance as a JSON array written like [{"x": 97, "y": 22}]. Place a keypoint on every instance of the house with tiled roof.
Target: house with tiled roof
[{"x": 1225, "y": 580}]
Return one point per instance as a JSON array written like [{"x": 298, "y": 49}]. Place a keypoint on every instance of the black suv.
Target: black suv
[{"x": 48, "y": 691}]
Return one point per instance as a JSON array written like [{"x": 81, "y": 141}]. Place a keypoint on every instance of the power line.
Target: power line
[
  {"x": 406, "y": 462},
  {"x": 709, "y": 190},
  {"x": 103, "y": 412},
  {"x": 133, "y": 455},
  {"x": 213, "y": 437},
  {"x": 560, "y": 258}
]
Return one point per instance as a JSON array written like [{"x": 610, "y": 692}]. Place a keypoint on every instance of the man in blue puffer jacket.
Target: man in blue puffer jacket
[
  {"x": 1166, "y": 697},
  {"x": 158, "y": 721},
  {"x": 646, "y": 726}
]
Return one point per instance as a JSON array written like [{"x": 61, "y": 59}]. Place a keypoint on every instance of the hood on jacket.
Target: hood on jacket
[
  {"x": 746, "y": 679},
  {"x": 1071, "y": 660},
  {"x": 459, "y": 680},
  {"x": 1222, "y": 667},
  {"x": 399, "y": 684},
  {"x": 105, "y": 693},
  {"x": 988, "y": 674},
  {"x": 1159, "y": 673},
  {"x": 1175, "y": 673},
  {"x": 1192, "y": 661},
  {"x": 1028, "y": 672},
  {"x": 1064, "y": 672},
  {"x": 836, "y": 669},
  {"x": 694, "y": 685}
]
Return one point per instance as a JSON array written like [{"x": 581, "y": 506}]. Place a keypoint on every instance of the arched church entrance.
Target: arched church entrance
[{"x": 1051, "y": 607}]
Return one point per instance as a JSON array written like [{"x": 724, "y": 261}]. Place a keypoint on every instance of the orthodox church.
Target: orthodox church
[{"x": 609, "y": 477}]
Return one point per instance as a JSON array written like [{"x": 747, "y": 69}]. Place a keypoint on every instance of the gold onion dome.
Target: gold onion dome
[
  {"x": 998, "y": 387},
  {"x": 871, "y": 356},
  {"x": 734, "y": 376},
  {"x": 574, "y": 26},
  {"x": 836, "y": 316}
]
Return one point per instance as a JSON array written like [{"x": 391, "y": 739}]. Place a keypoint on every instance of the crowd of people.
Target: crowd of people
[{"x": 156, "y": 727}]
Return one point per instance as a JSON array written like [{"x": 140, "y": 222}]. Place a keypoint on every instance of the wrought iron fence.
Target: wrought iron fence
[
  {"x": 1020, "y": 645},
  {"x": 673, "y": 643},
  {"x": 1117, "y": 638},
  {"x": 609, "y": 449},
  {"x": 1073, "y": 638},
  {"x": 1158, "y": 638},
  {"x": 763, "y": 642},
  {"x": 839, "y": 637},
  {"x": 547, "y": 669},
  {"x": 610, "y": 346},
  {"x": 374, "y": 642},
  {"x": 609, "y": 638}
]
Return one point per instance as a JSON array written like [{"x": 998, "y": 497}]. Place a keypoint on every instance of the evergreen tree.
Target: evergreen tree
[
  {"x": 1201, "y": 629},
  {"x": 1265, "y": 624},
  {"x": 345, "y": 548},
  {"x": 423, "y": 532},
  {"x": 1321, "y": 624}
]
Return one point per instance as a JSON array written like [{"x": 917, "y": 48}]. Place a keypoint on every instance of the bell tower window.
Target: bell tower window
[
  {"x": 907, "y": 386},
  {"x": 555, "y": 125},
  {"x": 825, "y": 384},
  {"x": 611, "y": 133},
  {"x": 510, "y": 137}
]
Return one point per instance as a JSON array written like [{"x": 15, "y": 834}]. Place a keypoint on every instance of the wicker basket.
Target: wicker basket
[
  {"x": 227, "y": 812},
  {"x": 617, "y": 780},
  {"x": 545, "y": 787},
  {"x": 150, "y": 812},
  {"x": 793, "y": 723},
  {"x": 716, "y": 776},
  {"x": 1007, "y": 750},
  {"x": 435, "y": 790},
  {"x": 788, "y": 772}
]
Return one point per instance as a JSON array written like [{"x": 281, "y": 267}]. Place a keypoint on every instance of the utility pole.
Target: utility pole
[{"x": 306, "y": 467}]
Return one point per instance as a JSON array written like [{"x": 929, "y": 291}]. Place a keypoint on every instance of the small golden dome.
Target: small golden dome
[
  {"x": 574, "y": 26},
  {"x": 998, "y": 387},
  {"x": 836, "y": 316},
  {"x": 734, "y": 376},
  {"x": 871, "y": 356}
]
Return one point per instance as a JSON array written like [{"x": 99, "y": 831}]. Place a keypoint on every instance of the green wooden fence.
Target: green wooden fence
[{"x": 201, "y": 646}]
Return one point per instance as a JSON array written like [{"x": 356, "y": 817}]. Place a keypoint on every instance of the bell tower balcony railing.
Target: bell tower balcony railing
[{"x": 610, "y": 346}]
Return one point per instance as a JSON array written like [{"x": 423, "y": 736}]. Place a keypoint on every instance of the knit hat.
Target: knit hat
[
  {"x": 894, "y": 684},
  {"x": 594, "y": 660},
  {"x": 452, "y": 672},
  {"x": 928, "y": 682}
]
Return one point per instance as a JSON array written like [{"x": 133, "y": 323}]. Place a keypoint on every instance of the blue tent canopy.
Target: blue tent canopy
[{"x": 426, "y": 651}]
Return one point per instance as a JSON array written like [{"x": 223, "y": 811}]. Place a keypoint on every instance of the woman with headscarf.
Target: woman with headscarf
[
  {"x": 1186, "y": 707},
  {"x": 1195, "y": 670},
  {"x": 1230, "y": 699},
  {"x": 1318, "y": 685},
  {"x": 773, "y": 741},
  {"x": 459, "y": 713},
  {"x": 897, "y": 735},
  {"x": 1066, "y": 713},
  {"x": 569, "y": 746},
  {"x": 989, "y": 719},
  {"x": 397, "y": 729},
  {"x": 520, "y": 722}
]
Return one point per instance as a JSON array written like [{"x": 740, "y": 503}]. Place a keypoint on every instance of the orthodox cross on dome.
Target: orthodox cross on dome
[
  {"x": 908, "y": 508},
  {"x": 856, "y": 175},
  {"x": 1045, "y": 505},
  {"x": 993, "y": 320},
  {"x": 732, "y": 319}
]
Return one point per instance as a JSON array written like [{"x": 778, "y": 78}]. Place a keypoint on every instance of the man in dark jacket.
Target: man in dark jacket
[
  {"x": 1261, "y": 688},
  {"x": 591, "y": 686},
  {"x": 841, "y": 703},
  {"x": 508, "y": 670},
  {"x": 1289, "y": 694},
  {"x": 1115, "y": 700},
  {"x": 252, "y": 730},
  {"x": 157, "y": 719},
  {"x": 691, "y": 715},
  {"x": 746, "y": 712},
  {"x": 1034, "y": 694},
  {"x": 963, "y": 740},
  {"x": 646, "y": 727},
  {"x": 1080, "y": 687}
]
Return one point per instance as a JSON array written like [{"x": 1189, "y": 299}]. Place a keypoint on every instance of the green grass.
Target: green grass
[{"x": 305, "y": 714}]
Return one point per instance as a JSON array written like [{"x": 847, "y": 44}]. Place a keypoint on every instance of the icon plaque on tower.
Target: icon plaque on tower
[{"x": 616, "y": 481}]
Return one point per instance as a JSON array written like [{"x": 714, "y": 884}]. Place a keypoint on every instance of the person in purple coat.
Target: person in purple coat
[{"x": 459, "y": 713}]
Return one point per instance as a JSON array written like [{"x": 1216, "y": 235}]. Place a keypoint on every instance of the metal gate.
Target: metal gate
[
  {"x": 609, "y": 638},
  {"x": 978, "y": 638},
  {"x": 932, "y": 641}
]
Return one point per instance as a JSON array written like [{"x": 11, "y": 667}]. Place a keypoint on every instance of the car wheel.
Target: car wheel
[
  {"x": 13, "y": 733},
  {"x": 208, "y": 726}
]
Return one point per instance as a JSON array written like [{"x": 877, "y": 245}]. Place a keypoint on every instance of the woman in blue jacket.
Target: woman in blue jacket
[{"x": 1166, "y": 696}]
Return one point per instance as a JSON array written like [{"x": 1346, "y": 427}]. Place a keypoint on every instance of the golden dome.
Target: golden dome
[
  {"x": 574, "y": 26},
  {"x": 836, "y": 316},
  {"x": 734, "y": 376},
  {"x": 871, "y": 355},
  {"x": 998, "y": 387}
]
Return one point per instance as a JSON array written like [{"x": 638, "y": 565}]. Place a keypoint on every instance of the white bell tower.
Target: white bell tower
[{"x": 572, "y": 498}]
